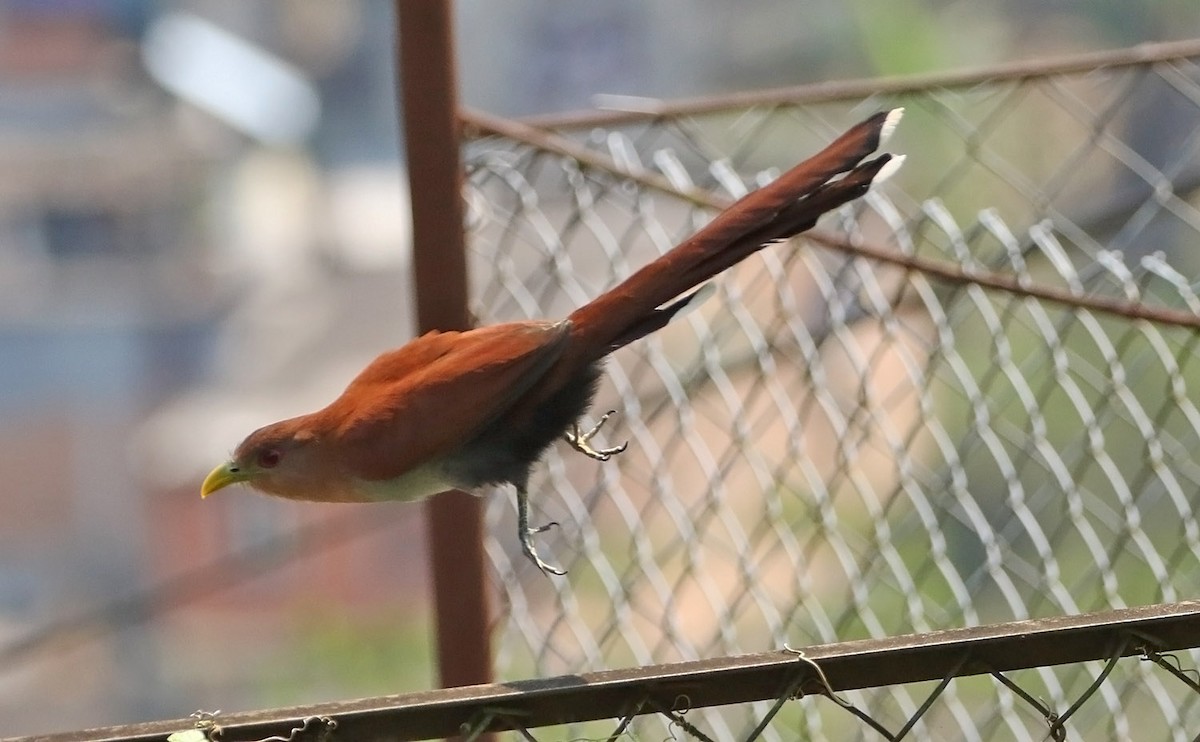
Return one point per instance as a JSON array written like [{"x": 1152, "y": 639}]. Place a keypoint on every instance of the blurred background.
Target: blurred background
[{"x": 204, "y": 228}]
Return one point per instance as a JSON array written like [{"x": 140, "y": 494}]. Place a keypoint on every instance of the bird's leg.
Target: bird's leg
[
  {"x": 526, "y": 534},
  {"x": 581, "y": 441}
]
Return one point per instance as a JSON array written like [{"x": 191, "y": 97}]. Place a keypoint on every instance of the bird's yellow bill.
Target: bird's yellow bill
[{"x": 221, "y": 477}]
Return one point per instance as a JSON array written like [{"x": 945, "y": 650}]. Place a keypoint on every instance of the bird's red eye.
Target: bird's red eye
[{"x": 268, "y": 459}]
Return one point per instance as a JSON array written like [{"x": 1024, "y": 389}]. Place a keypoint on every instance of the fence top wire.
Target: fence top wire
[
  {"x": 484, "y": 124},
  {"x": 645, "y": 109},
  {"x": 726, "y": 680}
]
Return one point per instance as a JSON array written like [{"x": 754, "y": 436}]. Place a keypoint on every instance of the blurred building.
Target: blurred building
[{"x": 168, "y": 274}]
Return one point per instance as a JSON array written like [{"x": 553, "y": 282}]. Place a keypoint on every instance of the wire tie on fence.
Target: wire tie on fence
[
  {"x": 671, "y": 732},
  {"x": 826, "y": 688},
  {"x": 862, "y": 715},
  {"x": 675, "y": 714},
  {"x": 679, "y": 707},
  {"x": 204, "y": 729},
  {"x": 206, "y": 720},
  {"x": 327, "y": 728},
  {"x": 682, "y": 704},
  {"x": 1172, "y": 664},
  {"x": 471, "y": 729},
  {"x": 685, "y": 725},
  {"x": 327, "y": 731},
  {"x": 1058, "y": 732}
]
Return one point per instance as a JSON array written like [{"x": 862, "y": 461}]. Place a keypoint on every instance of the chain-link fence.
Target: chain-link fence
[
  {"x": 836, "y": 447},
  {"x": 940, "y": 444}
]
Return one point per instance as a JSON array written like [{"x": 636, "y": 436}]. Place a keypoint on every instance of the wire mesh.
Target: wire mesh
[
  {"x": 1024, "y": 707},
  {"x": 835, "y": 448}
]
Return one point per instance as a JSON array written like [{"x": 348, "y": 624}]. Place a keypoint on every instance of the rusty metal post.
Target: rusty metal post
[{"x": 428, "y": 81}]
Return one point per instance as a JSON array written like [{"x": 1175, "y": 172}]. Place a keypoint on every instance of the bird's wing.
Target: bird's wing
[{"x": 424, "y": 400}]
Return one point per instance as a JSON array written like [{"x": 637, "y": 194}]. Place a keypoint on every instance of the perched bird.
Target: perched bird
[{"x": 460, "y": 410}]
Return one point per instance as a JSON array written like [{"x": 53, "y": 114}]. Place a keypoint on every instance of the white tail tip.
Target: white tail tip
[
  {"x": 890, "y": 122},
  {"x": 701, "y": 295},
  {"x": 888, "y": 170}
]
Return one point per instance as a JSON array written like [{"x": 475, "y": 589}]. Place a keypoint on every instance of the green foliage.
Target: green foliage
[{"x": 334, "y": 654}]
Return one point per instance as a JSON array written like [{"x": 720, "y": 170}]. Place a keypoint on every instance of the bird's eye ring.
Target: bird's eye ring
[{"x": 268, "y": 459}]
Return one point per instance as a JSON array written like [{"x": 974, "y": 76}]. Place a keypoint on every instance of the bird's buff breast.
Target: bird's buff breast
[{"x": 416, "y": 484}]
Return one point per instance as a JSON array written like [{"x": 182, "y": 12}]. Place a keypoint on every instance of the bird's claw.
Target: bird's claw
[
  {"x": 528, "y": 548},
  {"x": 543, "y": 528},
  {"x": 525, "y": 534},
  {"x": 581, "y": 441}
]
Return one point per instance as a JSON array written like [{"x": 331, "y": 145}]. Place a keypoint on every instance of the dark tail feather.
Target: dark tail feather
[
  {"x": 647, "y": 300},
  {"x": 656, "y": 320}
]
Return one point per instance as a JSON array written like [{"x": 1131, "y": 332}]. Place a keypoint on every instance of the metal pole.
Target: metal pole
[{"x": 425, "y": 36}]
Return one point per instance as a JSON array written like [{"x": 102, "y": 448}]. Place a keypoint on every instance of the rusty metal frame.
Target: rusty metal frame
[
  {"x": 429, "y": 109},
  {"x": 621, "y": 694}
]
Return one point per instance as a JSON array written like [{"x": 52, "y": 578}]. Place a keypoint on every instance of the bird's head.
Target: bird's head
[{"x": 280, "y": 459}]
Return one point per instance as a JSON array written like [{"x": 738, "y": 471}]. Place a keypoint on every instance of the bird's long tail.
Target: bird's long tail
[{"x": 786, "y": 207}]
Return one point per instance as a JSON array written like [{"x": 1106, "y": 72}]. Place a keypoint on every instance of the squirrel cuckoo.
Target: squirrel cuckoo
[{"x": 460, "y": 410}]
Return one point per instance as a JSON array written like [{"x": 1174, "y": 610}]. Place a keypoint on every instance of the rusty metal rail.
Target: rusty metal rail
[
  {"x": 853, "y": 90},
  {"x": 620, "y": 694}
]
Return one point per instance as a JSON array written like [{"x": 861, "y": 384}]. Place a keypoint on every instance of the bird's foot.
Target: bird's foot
[
  {"x": 525, "y": 535},
  {"x": 530, "y": 551},
  {"x": 581, "y": 441}
]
